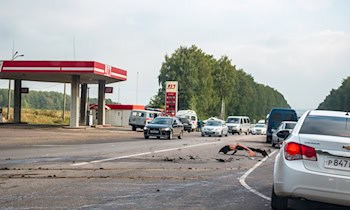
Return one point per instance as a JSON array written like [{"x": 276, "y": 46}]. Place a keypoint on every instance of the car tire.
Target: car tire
[
  {"x": 170, "y": 135},
  {"x": 180, "y": 135},
  {"x": 202, "y": 135},
  {"x": 189, "y": 131},
  {"x": 158, "y": 137},
  {"x": 273, "y": 144},
  {"x": 146, "y": 137},
  {"x": 239, "y": 132},
  {"x": 226, "y": 134},
  {"x": 277, "y": 202},
  {"x": 133, "y": 128},
  {"x": 220, "y": 134}
]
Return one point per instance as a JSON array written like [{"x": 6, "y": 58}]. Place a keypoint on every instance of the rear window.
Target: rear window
[{"x": 326, "y": 125}]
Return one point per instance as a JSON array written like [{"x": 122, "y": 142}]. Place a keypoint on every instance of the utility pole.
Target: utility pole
[{"x": 64, "y": 102}]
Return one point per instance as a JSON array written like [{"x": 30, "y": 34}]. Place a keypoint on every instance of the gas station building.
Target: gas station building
[{"x": 74, "y": 72}]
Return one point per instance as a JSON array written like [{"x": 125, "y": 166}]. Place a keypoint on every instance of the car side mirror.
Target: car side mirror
[
  {"x": 273, "y": 130},
  {"x": 283, "y": 134}
]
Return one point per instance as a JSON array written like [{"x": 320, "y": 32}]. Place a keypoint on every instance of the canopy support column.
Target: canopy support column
[
  {"x": 17, "y": 106},
  {"x": 74, "y": 106},
  {"x": 101, "y": 102}
]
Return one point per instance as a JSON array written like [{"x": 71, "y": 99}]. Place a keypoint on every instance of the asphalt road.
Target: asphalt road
[{"x": 114, "y": 168}]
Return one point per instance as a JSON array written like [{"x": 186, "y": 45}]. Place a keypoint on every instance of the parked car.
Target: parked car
[
  {"x": 186, "y": 123},
  {"x": 285, "y": 125},
  {"x": 314, "y": 161},
  {"x": 191, "y": 115},
  {"x": 238, "y": 124},
  {"x": 164, "y": 127},
  {"x": 259, "y": 129},
  {"x": 140, "y": 118},
  {"x": 275, "y": 117},
  {"x": 215, "y": 128}
]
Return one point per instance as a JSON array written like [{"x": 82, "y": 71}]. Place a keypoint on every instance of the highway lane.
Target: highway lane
[{"x": 129, "y": 172}]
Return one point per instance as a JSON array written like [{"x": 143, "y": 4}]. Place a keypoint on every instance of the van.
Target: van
[
  {"x": 238, "y": 124},
  {"x": 140, "y": 118},
  {"x": 189, "y": 114},
  {"x": 275, "y": 117}
]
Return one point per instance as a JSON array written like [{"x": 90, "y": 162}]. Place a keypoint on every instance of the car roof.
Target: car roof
[{"x": 328, "y": 113}]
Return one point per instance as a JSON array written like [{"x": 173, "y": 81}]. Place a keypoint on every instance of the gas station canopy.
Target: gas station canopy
[{"x": 90, "y": 72}]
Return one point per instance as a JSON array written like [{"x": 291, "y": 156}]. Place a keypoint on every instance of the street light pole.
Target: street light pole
[{"x": 14, "y": 56}]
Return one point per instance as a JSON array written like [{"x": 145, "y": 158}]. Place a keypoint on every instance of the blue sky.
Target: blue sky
[{"x": 299, "y": 47}]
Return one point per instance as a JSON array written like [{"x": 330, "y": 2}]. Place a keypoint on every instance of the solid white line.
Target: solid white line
[
  {"x": 144, "y": 153},
  {"x": 244, "y": 176}
]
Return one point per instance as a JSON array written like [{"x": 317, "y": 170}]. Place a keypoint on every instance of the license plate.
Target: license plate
[
  {"x": 154, "y": 131},
  {"x": 337, "y": 163}
]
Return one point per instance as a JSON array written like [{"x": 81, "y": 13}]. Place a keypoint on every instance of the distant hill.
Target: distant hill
[{"x": 42, "y": 100}]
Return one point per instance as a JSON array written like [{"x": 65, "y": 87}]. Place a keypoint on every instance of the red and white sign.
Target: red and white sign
[{"x": 171, "y": 96}]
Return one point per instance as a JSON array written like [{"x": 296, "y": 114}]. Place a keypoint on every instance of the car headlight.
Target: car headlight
[
  {"x": 217, "y": 129},
  {"x": 145, "y": 128},
  {"x": 166, "y": 129}
]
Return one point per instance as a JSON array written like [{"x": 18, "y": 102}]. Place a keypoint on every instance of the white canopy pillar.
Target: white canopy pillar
[{"x": 74, "y": 105}]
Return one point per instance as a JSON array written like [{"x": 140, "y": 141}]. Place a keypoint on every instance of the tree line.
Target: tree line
[
  {"x": 338, "y": 99},
  {"x": 49, "y": 100},
  {"x": 214, "y": 87}
]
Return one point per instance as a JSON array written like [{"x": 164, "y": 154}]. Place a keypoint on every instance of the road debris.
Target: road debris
[
  {"x": 250, "y": 150},
  {"x": 223, "y": 160}
]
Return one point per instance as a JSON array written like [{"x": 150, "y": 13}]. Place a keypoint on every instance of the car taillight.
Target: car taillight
[{"x": 295, "y": 151}]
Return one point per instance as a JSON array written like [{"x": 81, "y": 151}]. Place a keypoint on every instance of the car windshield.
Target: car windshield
[
  {"x": 162, "y": 121},
  {"x": 259, "y": 126},
  {"x": 214, "y": 123},
  {"x": 290, "y": 125},
  {"x": 326, "y": 125},
  {"x": 184, "y": 120},
  {"x": 233, "y": 120}
]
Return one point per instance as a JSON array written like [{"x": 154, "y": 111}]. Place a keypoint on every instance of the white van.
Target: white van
[
  {"x": 140, "y": 118},
  {"x": 191, "y": 115},
  {"x": 238, "y": 124}
]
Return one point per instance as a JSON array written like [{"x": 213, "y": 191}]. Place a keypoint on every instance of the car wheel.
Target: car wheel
[
  {"x": 170, "y": 135},
  {"x": 189, "y": 131},
  {"x": 239, "y": 132},
  {"x": 181, "y": 134},
  {"x": 133, "y": 128},
  {"x": 277, "y": 202},
  {"x": 146, "y": 137},
  {"x": 158, "y": 137},
  {"x": 220, "y": 134},
  {"x": 226, "y": 134},
  {"x": 202, "y": 135},
  {"x": 273, "y": 144}
]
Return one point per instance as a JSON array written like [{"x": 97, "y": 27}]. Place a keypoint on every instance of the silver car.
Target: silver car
[
  {"x": 283, "y": 127},
  {"x": 314, "y": 161},
  {"x": 215, "y": 128}
]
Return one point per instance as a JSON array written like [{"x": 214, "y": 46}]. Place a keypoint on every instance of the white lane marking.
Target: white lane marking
[
  {"x": 144, "y": 153},
  {"x": 244, "y": 176}
]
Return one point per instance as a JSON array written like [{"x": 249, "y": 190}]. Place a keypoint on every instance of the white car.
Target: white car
[
  {"x": 285, "y": 125},
  {"x": 215, "y": 128},
  {"x": 258, "y": 129},
  {"x": 314, "y": 161}
]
